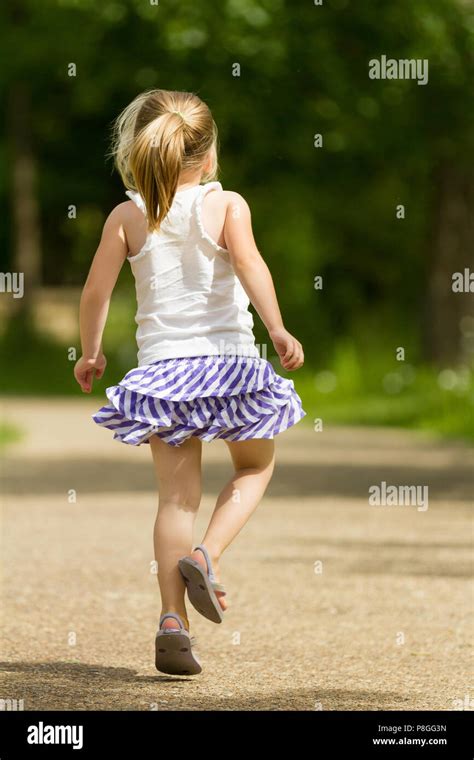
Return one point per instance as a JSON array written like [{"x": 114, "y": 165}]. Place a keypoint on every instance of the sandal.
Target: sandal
[
  {"x": 202, "y": 586},
  {"x": 173, "y": 649}
]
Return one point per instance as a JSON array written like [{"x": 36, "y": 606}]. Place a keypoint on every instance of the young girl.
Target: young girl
[{"x": 199, "y": 375}]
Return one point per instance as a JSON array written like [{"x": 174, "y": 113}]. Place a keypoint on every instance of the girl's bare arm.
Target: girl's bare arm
[
  {"x": 96, "y": 295},
  {"x": 257, "y": 281}
]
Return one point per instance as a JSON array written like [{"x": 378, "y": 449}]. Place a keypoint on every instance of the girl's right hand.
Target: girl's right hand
[
  {"x": 86, "y": 369},
  {"x": 288, "y": 349}
]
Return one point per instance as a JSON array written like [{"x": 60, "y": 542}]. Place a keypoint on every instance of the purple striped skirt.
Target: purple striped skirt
[{"x": 220, "y": 396}]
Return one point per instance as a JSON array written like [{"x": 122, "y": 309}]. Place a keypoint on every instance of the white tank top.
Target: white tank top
[{"x": 190, "y": 301}]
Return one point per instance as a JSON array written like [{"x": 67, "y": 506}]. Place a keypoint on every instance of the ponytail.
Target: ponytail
[
  {"x": 159, "y": 135},
  {"x": 156, "y": 161}
]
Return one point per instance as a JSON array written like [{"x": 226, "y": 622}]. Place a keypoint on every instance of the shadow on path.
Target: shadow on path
[
  {"x": 75, "y": 686},
  {"x": 42, "y": 476}
]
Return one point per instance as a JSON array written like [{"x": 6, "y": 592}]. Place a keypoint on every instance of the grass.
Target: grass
[
  {"x": 359, "y": 384},
  {"x": 418, "y": 398},
  {"x": 9, "y": 434}
]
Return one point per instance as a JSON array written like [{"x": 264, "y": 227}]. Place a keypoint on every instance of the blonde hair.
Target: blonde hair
[{"x": 160, "y": 134}]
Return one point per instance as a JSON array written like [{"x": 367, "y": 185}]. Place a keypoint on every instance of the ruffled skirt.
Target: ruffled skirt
[{"x": 231, "y": 397}]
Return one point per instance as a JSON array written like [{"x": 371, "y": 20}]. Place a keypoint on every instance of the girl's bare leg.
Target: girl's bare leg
[
  {"x": 254, "y": 462},
  {"x": 178, "y": 473}
]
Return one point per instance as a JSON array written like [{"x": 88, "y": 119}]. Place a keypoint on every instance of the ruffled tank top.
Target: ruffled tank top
[{"x": 189, "y": 300}]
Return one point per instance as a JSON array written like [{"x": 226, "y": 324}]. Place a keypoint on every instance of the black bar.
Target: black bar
[{"x": 150, "y": 733}]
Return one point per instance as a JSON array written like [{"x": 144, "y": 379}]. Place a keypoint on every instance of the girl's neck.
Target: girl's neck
[{"x": 187, "y": 181}]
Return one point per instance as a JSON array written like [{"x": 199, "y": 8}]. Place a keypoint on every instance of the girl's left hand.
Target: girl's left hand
[{"x": 86, "y": 369}]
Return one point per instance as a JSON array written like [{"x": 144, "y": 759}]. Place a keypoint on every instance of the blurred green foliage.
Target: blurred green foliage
[
  {"x": 316, "y": 211},
  {"x": 9, "y": 434}
]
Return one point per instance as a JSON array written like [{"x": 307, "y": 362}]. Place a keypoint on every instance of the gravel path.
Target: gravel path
[{"x": 334, "y": 604}]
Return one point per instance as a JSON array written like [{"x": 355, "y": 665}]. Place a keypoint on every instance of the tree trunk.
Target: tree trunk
[
  {"x": 26, "y": 224},
  {"x": 451, "y": 250}
]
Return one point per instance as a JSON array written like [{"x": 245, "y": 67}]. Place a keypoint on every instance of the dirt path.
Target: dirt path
[{"x": 334, "y": 604}]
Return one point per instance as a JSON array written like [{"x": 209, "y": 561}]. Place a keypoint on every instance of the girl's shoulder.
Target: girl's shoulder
[
  {"x": 230, "y": 200},
  {"x": 121, "y": 214},
  {"x": 130, "y": 219}
]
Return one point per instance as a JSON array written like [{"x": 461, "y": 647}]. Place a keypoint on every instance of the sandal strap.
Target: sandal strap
[
  {"x": 173, "y": 616},
  {"x": 210, "y": 572},
  {"x": 216, "y": 586}
]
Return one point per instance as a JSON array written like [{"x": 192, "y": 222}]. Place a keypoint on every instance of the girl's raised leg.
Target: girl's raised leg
[
  {"x": 178, "y": 473},
  {"x": 254, "y": 462}
]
